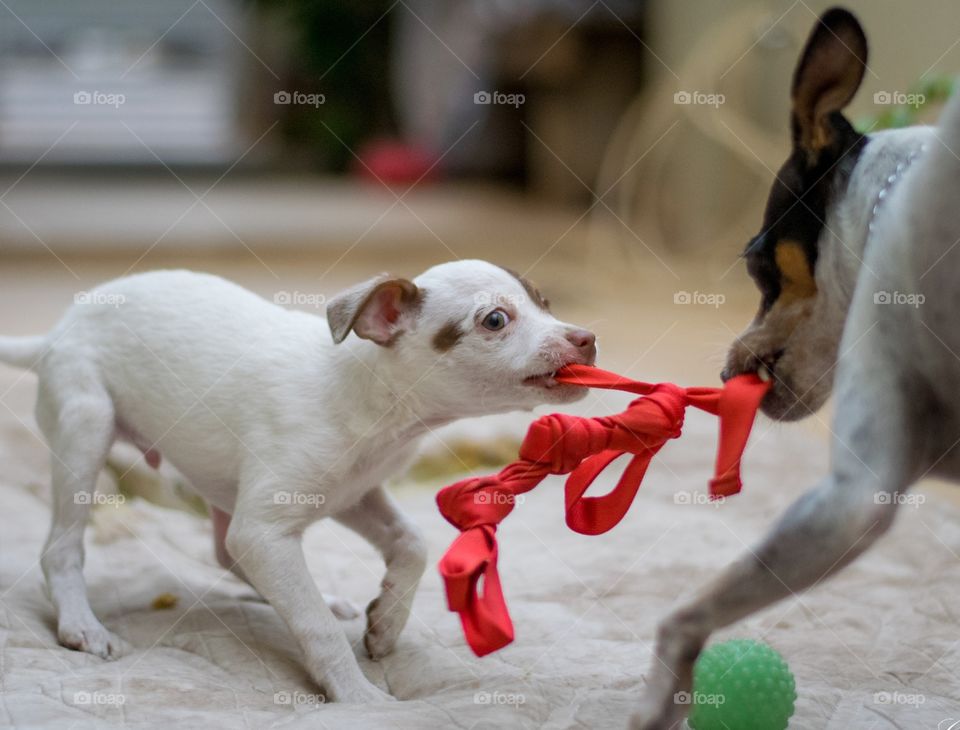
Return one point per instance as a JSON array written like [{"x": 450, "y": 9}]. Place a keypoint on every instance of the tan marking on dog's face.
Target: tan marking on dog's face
[
  {"x": 796, "y": 276},
  {"x": 782, "y": 336}
]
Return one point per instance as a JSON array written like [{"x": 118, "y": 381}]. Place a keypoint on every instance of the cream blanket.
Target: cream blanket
[{"x": 877, "y": 647}]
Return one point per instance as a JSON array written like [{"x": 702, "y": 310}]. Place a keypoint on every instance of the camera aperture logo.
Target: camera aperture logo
[
  {"x": 99, "y": 698},
  {"x": 899, "y": 298},
  {"x": 285, "y": 697},
  {"x": 899, "y": 98},
  {"x": 488, "y": 497},
  {"x": 96, "y": 499},
  {"x": 698, "y": 698},
  {"x": 299, "y": 98},
  {"x": 499, "y": 98},
  {"x": 899, "y": 498},
  {"x": 499, "y": 698},
  {"x": 299, "y": 299},
  {"x": 99, "y": 98},
  {"x": 899, "y": 698},
  {"x": 490, "y": 299},
  {"x": 699, "y": 98},
  {"x": 302, "y": 499},
  {"x": 709, "y": 299},
  {"x": 684, "y": 497},
  {"x": 105, "y": 298}
]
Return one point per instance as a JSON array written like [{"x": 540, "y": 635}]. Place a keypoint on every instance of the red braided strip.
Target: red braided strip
[{"x": 582, "y": 448}]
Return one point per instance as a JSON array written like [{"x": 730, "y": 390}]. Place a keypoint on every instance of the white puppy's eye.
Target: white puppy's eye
[{"x": 496, "y": 320}]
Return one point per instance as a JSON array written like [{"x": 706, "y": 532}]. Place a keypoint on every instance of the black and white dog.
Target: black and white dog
[{"x": 858, "y": 265}]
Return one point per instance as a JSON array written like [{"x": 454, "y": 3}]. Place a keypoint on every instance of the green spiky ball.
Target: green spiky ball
[{"x": 741, "y": 684}]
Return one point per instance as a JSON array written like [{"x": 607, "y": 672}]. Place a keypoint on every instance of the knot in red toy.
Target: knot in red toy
[{"x": 582, "y": 448}]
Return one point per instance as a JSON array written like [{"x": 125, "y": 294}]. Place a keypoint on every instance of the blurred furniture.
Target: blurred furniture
[
  {"x": 93, "y": 81},
  {"x": 577, "y": 64}
]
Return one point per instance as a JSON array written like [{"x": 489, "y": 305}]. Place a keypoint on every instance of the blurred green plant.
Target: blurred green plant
[
  {"x": 936, "y": 90},
  {"x": 342, "y": 52}
]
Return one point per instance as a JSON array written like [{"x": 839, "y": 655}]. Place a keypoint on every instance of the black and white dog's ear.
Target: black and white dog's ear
[
  {"x": 827, "y": 76},
  {"x": 377, "y": 309}
]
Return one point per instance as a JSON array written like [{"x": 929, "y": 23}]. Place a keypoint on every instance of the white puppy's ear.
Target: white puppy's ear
[{"x": 375, "y": 310}]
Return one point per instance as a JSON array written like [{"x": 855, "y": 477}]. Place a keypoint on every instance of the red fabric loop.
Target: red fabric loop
[
  {"x": 484, "y": 616},
  {"x": 560, "y": 442},
  {"x": 582, "y": 448},
  {"x": 596, "y": 515}
]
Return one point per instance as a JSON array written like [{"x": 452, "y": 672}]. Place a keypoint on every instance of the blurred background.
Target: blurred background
[{"x": 617, "y": 152}]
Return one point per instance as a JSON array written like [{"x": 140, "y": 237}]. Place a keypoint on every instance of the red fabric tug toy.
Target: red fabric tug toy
[{"x": 582, "y": 448}]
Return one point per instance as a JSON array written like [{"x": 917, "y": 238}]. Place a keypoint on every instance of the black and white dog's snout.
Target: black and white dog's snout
[{"x": 763, "y": 365}]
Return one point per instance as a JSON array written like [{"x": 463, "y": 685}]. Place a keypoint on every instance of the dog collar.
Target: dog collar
[{"x": 888, "y": 184}]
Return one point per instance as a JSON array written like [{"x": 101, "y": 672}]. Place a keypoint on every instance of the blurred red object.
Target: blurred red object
[{"x": 396, "y": 163}]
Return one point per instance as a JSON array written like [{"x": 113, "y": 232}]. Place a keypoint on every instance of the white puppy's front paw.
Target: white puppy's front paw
[
  {"x": 93, "y": 639},
  {"x": 343, "y": 608},
  {"x": 386, "y": 617}
]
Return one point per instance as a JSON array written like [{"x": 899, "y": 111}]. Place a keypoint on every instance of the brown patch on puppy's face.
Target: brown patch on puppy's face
[
  {"x": 447, "y": 336},
  {"x": 796, "y": 332}
]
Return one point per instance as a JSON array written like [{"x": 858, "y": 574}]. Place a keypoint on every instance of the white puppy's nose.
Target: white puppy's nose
[{"x": 585, "y": 342}]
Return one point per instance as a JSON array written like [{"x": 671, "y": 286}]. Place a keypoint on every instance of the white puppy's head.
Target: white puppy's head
[{"x": 476, "y": 337}]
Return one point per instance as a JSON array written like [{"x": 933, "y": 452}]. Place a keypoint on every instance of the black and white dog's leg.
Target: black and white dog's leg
[
  {"x": 267, "y": 545},
  {"x": 820, "y": 533},
  {"x": 79, "y": 429},
  {"x": 380, "y": 521}
]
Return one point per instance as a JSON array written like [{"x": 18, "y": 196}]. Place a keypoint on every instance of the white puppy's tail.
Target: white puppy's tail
[{"x": 23, "y": 352}]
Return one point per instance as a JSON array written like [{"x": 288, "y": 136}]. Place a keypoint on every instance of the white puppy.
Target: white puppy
[{"x": 254, "y": 403}]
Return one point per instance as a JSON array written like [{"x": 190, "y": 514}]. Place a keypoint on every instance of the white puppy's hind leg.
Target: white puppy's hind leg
[
  {"x": 380, "y": 521},
  {"x": 79, "y": 429}
]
